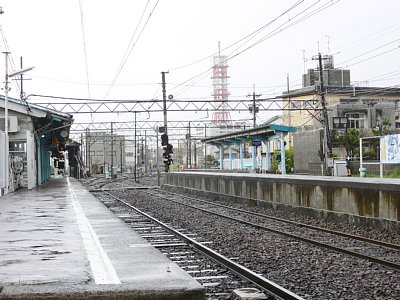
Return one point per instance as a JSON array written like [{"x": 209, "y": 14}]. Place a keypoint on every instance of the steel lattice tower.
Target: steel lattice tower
[{"x": 220, "y": 90}]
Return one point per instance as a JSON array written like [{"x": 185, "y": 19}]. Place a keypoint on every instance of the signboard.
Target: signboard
[
  {"x": 390, "y": 149},
  {"x": 256, "y": 143}
]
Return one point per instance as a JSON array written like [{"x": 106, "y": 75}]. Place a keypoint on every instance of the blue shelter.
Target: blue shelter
[{"x": 257, "y": 136}]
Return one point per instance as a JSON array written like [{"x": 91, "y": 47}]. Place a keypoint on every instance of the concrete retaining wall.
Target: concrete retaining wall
[{"x": 368, "y": 200}]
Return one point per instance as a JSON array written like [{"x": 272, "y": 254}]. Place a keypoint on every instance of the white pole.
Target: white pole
[
  {"x": 6, "y": 167},
  {"x": 361, "y": 157}
]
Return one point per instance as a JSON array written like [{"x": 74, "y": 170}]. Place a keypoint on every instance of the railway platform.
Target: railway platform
[{"x": 58, "y": 241}]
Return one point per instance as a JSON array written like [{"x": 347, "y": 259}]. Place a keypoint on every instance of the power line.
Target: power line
[
  {"x": 371, "y": 51},
  {"x": 84, "y": 47},
  {"x": 131, "y": 46},
  {"x": 249, "y": 36},
  {"x": 287, "y": 24}
]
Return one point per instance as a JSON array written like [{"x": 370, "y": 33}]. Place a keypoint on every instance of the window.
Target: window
[
  {"x": 99, "y": 152},
  {"x": 308, "y": 127},
  {"x": 17, "y": 146},
  {"x": 355, "y": 120}
]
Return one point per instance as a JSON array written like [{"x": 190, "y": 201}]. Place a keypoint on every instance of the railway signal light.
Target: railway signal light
[
  {"x": 164, "y": 140},
  {"x": 61, "y": 147},
  {"x": 166, "y": 157},
  {"x": 169, "y": 148}
]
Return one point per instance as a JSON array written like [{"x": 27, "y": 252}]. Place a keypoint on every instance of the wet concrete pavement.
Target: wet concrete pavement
[{"x": 60, "y": 241}]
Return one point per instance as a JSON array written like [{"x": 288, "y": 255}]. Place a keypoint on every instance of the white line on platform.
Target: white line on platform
[{"x": 102, "y": 268}]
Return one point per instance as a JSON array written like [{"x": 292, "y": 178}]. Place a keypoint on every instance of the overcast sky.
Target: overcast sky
[{"x": 116, "y": 49}]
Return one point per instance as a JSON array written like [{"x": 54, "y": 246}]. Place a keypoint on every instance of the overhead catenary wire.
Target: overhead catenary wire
[
  {"x": 132, "y": 44},
  {"x": 287, "y": 24},
  {"x": 84, "y": 47},
  {"x": 10, "y": 57},
  {"x": 247, "y": 37}
]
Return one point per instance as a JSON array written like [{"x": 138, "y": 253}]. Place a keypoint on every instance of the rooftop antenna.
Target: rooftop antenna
[{"x": 329, "y": 50}]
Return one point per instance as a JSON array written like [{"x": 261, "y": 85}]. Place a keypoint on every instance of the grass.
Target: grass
[{"x": 394, "y": 174}]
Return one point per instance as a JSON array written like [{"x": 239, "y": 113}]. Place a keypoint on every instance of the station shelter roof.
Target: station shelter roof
[
  {"x": 47, "y": 122},
  {"x": 262, "y": 133}
]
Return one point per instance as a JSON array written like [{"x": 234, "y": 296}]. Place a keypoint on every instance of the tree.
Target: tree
[
  {"x": 382, "y": 127},
  {"x": 289, "y": 161},
  {"x": 351, "y": 141},
  {"x": 211, "y": 160}
]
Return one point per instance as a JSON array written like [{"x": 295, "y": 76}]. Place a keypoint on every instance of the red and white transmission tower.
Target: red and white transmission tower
[{"x": 220, "y": 89}]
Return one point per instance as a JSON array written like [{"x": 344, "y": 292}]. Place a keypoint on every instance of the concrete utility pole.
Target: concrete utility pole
[
  {"x": 327, "y": 146},
  {"x": 189, "y": 143},
  {"x": 290, "y": 110},
  {"x": 112, "y": 151},
  {"x": 22, "y": 81},
  {"x": 6, "y": 153},
  {"x": 134, "y": 168},
  {"x": 253, "y": 107},
  {"x": 164, "y": 100}
]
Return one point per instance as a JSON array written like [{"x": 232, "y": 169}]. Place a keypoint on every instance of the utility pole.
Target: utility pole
[
  {"x": 290, "y": 111},
  {"x": 327, "y": 146},
  {"x": 164, "y": 100},
  {"x": 87, "y": 148},
  {"x": 189, "y": 141},
  {"x": 112, "y": 152},
  {"x": 145, "y": 152},
  {"x": 205, "y": 147},
  {"x": 164, "y": 137},
  {"x": 134, "y": 168},
  {"x": 22, "y": 81},
  {"x": 253, "y": 107},
  {"x": 120, "y": 152},
  {"x": 157, "y": 159},
  {"x": 195, "y": 155},
  {"x": 104, "y": 153},
  {"x": 7, "y": 150}
]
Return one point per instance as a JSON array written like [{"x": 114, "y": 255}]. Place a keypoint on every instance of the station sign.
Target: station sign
[{"x": 256, "y": 143}]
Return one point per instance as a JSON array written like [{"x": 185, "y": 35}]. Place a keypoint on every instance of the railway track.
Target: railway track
[
  {"x": 363, "y": 269},
  {"x": 217, "y": 273},
  {"x": 376, "y": 251}
]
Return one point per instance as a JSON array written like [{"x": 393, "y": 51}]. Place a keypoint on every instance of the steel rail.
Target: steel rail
[
  {"x": 259, "y": 280},
  {"x": 335, "y": 232},
  {"x": 386, "y": 263}
]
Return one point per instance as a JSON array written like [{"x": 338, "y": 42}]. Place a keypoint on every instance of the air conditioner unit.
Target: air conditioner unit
[{"x": 12, "y": 124}]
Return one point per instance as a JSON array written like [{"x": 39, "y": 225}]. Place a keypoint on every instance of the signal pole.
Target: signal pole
[
  {"x": 164, "y": 100},
  {"x": 164, "y": 137}
]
